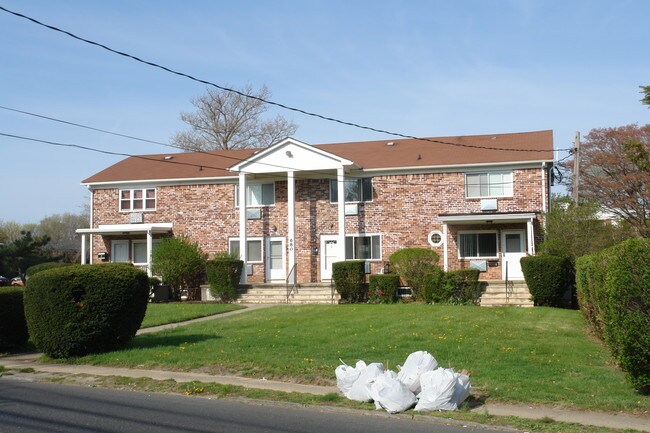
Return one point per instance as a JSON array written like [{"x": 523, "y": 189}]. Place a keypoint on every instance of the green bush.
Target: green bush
[
  {"x": 13, "y": 327},
  {"x": 349, "y": 278},
  {"x": 463, "y": 286},
  {"x": 81, "y": 309},
  {"x": 547, "y": 278},
  {"x": 180, "y": 263},
  {"x": 614, "y": 295},
  {"x": 383, "y": 288},
  {"x": 412, "y": 265},
  {"x": 224, "y": 273},
  {"x": 434, "y": 289},
  {"x": 33, "y": 270}
]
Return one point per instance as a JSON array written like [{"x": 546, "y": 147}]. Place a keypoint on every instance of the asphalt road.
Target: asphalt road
[{"x": 46, "y": 407}]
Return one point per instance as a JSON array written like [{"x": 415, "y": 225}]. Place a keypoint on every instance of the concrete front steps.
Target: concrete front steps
[
  {"x": 496, "y": 295},
  {"x": 270, "y": 293}
]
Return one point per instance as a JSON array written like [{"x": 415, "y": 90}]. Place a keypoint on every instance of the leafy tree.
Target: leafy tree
[
  {"x": 179, "y": 262},
  {"x": 646, "y": 92},
  {"x": 615, "y": 172},
  {"x": 9, "y": 231},
  {"x": 22, "y": 253},
  {"x": 61, "y": 228},
  {"x": 229, "y": 120}
]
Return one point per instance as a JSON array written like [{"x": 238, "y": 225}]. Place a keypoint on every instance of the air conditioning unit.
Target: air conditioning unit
[
  {"x": 481, "y": 265},
  {"x": 136, "y": 218},
  {"x": 489, "y": 204},
  {"x": 352, "y": 209},
  {"x": 253, "y": 213}
]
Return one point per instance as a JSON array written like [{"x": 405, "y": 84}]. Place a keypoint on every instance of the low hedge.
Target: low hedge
[
  {"x": 350, "y": 280},
  {"x": 614, "y": 296},
  {"x": 434, "y": 289},
  {"x": 224, "y": 274},
  {"x": 383, "y": 288},
  {"x": 33, "y": 270},
  {"x": 81, "y": 309},
  {"x": 13, "y": 327},
  {"x": 412, "y": 265},
  {"x": 548, "y": 278},
  {"x": 454, "y": 287}
]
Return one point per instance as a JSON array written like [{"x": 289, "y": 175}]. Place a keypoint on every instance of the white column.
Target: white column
[
  {"x": 531, "y": 240},
  {"x": 340, "y": 179},
  {"x": 291, "y": 222},
  {"x": 444, "y": 248},
  {"x": 83, "y": 249},
  {"x": 242, "y": 224},
  {"x": 149, "y": 250}
]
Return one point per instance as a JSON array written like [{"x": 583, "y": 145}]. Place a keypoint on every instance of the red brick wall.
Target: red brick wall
[{"x": 404, "y": 210}]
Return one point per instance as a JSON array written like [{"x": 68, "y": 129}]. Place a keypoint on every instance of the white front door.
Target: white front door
[
  {"x": 329, "y": 254},
  {"x": 119, "y": 251},
  {"x": 513, "y": 248},
  {"x": 275, "y": 259}
]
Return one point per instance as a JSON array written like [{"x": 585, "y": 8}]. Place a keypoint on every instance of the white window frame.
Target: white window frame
[
  {"x": 506, "y": 185},
  {"x": 363, "y": 235},
  {"x": 134, "y": 242},
  {"x": 359, "y": 181},
  {"x": 436, "y": 232},
  {"x": 249, "y": 194},
  {"x": 477, "y": 232},
  {"x": 131, "y": 199},
  {"x": 250, "y": 239}
]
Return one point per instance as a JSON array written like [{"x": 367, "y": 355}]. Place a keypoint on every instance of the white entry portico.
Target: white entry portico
[{"x": 296, "y": 160}]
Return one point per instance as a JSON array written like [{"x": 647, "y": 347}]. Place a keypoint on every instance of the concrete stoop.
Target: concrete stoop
[
  {"x": 497, "y": 294},
  {"x": 270, "y": 293}
]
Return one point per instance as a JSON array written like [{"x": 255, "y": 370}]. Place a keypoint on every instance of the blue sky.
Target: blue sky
[{"x": 424, "y": 68}]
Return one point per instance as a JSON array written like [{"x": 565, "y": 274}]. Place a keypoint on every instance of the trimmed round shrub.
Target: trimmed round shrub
[
  {"x": 224, "y": 274},
  {"x": 350, "y": 280},
  {"x": 179, "y": 262},
  {"x": 33, "y": 270},
  {"x": 82, "y": 309},
  {"x": 13, "y": 327},
  {"x": 547, "y": 278},
  {"x": 412, "y": 265},
  {"x": 383, "y": 288}
]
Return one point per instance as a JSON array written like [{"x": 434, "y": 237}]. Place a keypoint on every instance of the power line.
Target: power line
[{"x": 265, "y": 101}]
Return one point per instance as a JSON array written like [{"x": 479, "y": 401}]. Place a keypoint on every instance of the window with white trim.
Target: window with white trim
[
  {"x": 478, "y": 245},
  {"x": 488, "y": 184},
  {"x": 363, "y": 247},
  {"x": 138, "y": 199},
  {"x": 356, "y": 190},
  {"x": 257, "y": 194},
  {"x": 253, "y": 250},
  {"x": 139, "y": 250}
]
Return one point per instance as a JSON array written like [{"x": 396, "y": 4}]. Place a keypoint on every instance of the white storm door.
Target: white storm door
[
  {"x": 329, "y": 255},
  {"x": 513, "y": 248},
  {"x": 276, "y": 259},
  {"x": 119, "y": 251}
]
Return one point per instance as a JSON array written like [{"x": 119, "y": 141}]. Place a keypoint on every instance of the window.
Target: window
[
  {"x": 477, "y": 244},
  {"x": 257, "y": 194},
  {"x": 362, "y": 247},
  {"x": 138, "y": 199},
  {"x": 435, "y": 238},
  {"x": 139, "y": 251},
  {"x": 490, "y": 184},
  {"x": 355, "y": 190},
  {"x": 253, "y": 252}
]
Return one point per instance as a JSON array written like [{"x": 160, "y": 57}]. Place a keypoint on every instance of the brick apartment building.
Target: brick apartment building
[{"x": 476, "y": 200}]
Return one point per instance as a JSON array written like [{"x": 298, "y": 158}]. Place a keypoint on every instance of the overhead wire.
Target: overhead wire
[{"x": 263, "y": 100}]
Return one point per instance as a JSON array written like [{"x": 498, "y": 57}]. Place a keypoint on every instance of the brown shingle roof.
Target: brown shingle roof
[{"x": 537, "y": 146}]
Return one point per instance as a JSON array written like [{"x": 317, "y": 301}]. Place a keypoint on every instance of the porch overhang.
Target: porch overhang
[
  {"x": 127, "y": 229},
  {"x": 485, "y": 218}
]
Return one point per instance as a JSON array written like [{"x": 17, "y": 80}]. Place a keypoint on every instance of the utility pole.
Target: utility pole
[{"x": 576, "y": 167}]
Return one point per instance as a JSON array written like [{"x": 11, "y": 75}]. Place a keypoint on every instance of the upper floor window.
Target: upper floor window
[
  {"x": 257, "y": 194},
  {"x": 489, "y": 184},
  {"x": 355, "y": 190},
  {"x": 138, "y": 199}
]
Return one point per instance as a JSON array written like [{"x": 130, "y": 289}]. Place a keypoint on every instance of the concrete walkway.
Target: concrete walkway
[{"x": 30, "y": 361}]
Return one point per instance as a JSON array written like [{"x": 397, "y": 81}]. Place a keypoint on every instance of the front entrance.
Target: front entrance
[
  {"x": 513, "y": 248},
  {"x": 275, "y": 259},
  {"x": 329, "y": 255}
]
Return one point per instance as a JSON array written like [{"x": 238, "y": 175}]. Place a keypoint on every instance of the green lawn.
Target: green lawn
[
  {"x": 161, "y": 314},
  {"x": 539, "y": 355}
]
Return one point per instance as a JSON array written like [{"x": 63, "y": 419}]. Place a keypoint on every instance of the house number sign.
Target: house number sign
[{"x": 291, "y": 244}]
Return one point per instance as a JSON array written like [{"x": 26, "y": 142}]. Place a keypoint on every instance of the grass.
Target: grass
[
  {"x": 531, "y": 356},
  {"x": 161, "y": 314}
]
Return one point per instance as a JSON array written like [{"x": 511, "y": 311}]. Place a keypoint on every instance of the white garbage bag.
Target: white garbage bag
[
  {"x": 416, "y": 364},
  {"x": 391, "y": 394},
  {"x": 347, "y": 375},
  {"x": 360, "y": 390},
  {"x": 442, "y": 389}
]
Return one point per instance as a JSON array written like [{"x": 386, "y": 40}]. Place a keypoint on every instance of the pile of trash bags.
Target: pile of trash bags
[{"x": 419, "y": 383}]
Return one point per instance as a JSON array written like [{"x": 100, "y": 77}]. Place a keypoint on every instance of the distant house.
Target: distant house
[{"x": 308, "y": 206}]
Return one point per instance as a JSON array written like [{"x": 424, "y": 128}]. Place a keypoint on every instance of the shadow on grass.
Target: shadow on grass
[{"x": 146, "y": 341}]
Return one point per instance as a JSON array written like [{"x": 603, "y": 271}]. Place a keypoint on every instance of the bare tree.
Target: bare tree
[{"x": 227, "y": 120}]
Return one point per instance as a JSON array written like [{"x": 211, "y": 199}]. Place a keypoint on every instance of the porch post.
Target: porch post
[
  {"x": 340, "y": 179},
  {"x": 83, "y": 249},
  {"x": 444, "y": 248},
  {"x": 291, "y": 223},
  {"x": 149, "y": 250},
  {"x": 530, "y": 234},
  {"x": 242, "y": 224}
]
